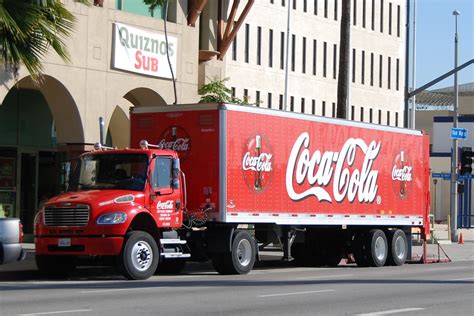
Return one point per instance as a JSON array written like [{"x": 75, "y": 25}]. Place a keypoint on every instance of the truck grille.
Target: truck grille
[{"x": 73, "y": 216}]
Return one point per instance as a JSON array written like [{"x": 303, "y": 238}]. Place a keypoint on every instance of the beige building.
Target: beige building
[
  {"x": 255, "y": 62},
  {"x": 118, "y": 61}
]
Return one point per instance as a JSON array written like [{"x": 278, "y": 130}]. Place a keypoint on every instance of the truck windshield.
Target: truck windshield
[{"x": 109, "y": 172}]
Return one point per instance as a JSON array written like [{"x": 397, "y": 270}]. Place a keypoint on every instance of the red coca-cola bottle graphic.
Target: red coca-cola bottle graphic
[
  {"x": 258, "y": 173},
  {"x": 173, "y": 135},
  {"x": 402, "y": 181}
]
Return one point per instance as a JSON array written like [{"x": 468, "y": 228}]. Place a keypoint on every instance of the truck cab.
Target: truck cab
[{"x": 119, "y": 204}]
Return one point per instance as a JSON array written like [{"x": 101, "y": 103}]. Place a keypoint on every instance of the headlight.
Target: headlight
[{"x": 112, "y": 218}]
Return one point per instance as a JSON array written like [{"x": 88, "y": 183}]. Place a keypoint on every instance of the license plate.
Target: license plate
[{"x": 64, "y": 242}]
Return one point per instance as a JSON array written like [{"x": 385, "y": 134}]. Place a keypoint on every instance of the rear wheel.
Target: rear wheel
[
  {"x": 398, "y": 247},
  {"x": 241, "y": 258},
  {"x": 56, "y": 266},
  {"x": 139, "y": 257},
  {"x": 378, "y": 248}
]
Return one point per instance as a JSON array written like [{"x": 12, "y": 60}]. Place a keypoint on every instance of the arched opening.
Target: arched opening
[
  {"x": 118, "y": 134},
  {"x": 144, "y": 97},
  {"x": 39, "y": 128}
]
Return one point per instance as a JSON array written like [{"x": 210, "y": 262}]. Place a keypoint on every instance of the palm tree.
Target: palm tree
[{"x": 29, "y": 28}]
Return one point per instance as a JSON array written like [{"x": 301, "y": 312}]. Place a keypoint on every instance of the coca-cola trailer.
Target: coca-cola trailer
[{"x": 226, "y": 182}]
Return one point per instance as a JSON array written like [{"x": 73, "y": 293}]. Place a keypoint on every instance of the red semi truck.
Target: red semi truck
[{"x": 223, "y": 182}]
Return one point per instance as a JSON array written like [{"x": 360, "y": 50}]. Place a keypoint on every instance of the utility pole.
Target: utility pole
[
  {"x": 454, "y": 159},
  {"x": 344, "y": 61},
  {"x": 287, "y": 54}
]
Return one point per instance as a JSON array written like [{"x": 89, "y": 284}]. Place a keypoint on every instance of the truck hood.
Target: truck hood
[{"x": 96, "y": 198}]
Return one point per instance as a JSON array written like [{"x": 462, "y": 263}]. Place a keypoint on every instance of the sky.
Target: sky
[{"x": 435, "y": 28}]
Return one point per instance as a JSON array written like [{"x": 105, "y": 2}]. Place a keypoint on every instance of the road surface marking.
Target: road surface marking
[
  {"x": 393, "y": 311},
  {"x": 463, "y": 279},
  {"x": 324, "y": 277},
  {"x": 295, "y": 293},
  {"x": 58, "y": 312},
  {"x": 450, "y": 268}
]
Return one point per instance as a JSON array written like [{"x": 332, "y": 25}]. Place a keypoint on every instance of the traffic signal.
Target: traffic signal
[{"x": 466, "y": 160}]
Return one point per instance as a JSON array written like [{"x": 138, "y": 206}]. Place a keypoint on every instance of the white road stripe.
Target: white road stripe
[
  {"x": 295, "y": 293},
  {"x": 463, "y": 279},
  {"x": 58, "y": 312},
  {"x": 393, "y": 311},
  {"x": 323, "y": 277}
]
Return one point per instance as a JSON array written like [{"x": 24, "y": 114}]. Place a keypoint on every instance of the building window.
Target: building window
[
  {"x": 270, "y": 48},
  {"x": 140, "y": 8},
  {"x": 334, "y": 61},
  {"x": 323, "y": 113},
  {"x": 398, "y": 20},
  {"x": 234, "y": 48},
  {"x": 353, "y": 65},
  {"x": 372, "y": 69},
  {"x": 246, "y": 95},
  {"x": 314, "y": 56},
  {"x": 302, "y": 105},
  {"x": 233, "y": 91},
  {"x": 247, "y": 40},
  {"x": 293, "y": 51},
  {"x": 325, "y": 8},
  {"x": 397, "y": 82},
  {"x": 380, "y": 117},
  {"x": 292, "y": 104},
  {"x": 304, "y": 56},
  {"x": 354, "y": 13},
  {"x": 282, "y": 50},
  {"x": 305, "y": 5},
  {"x": 280, "y": 102},
  {"x": 389, "y": 73},
  {"x": 364, "y": 8},
  {"x": 380, "y": 70},
  {"x": 388, "y": 118},
  {"x": 352, "y": 112},
  {"x": 269, "y": 100},
  {"x": 361, "y": 113},
  {"x": 390, "y": 18},
  {"x": 396, "y": 118},
  {"x": 313, "y": 106},
  {"x": 283, "y": 3},
  {"x": 259, "y": 45},
  {"x": 362, "y": 70},
  {"x": 257, "y": 98},
  {"x": 325, "y": 45},
  {"x": 371, "y": 115},
  {"x": 381, "y": 16},
  {"x": 315, "y": 11},
  {"x": 334, "y": 109},
  {"x": 373, "y": 16},
  {"x": 335, "y": 9},
  {"x": 294, "y": 5}
]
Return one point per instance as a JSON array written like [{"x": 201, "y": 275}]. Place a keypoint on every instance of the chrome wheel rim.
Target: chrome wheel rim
[
  {"x": 400, "y": 248},
  {"x": 142, "y": 255},
  {"x": 244, "y": 252},
  {"x": 380, "y": 248}
]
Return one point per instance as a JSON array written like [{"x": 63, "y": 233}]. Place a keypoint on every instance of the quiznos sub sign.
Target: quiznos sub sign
[{"x": 143, "y": 52}]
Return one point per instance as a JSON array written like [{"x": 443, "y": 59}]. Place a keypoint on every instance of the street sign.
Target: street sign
[
  {"x": 458, "y": 133},
  {"x": 441, "y": 175},
  {"x": 466, "y": 176}
]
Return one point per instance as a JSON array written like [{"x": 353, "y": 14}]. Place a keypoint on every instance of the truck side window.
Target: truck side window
[{"x": 162, "y": 173}]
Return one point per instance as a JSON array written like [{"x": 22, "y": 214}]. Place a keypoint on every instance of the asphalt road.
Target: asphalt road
[{"x": 270, "y": 289}]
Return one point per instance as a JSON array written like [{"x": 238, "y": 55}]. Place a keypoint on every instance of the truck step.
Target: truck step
[
  {"x": 167, "y": 241},
  {"x": 171, "y": 255}
]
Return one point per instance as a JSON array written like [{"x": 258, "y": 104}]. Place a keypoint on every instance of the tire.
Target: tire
[
  {"x": 241, "y": 259},
  {"x": 171, "y": 266},
  {"x": 378, "y": 248},
  {"x": 398, "y": 247},
  {"x": 139, "y": 257},
  {"x": 56, "y": 266}
]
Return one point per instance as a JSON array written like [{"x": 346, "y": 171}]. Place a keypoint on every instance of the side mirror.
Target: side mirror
[{"x": 175, "y": 172}]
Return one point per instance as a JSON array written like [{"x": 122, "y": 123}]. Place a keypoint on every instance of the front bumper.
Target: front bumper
[{"x": 80, "y": 246}]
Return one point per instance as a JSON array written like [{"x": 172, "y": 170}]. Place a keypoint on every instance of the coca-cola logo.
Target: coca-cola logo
[
  {"x": 177, "y": 139},
  {"x": 166, "y": 205},
  {"x": 402, "y": 174},
  {"x": 310, "y": 174},
  {"x": 257, "y": 162}
]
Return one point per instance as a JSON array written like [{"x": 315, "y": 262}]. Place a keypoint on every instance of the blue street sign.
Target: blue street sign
[
  {"x": 466, "y": 176},
  {"x": 458, "y": 133},
  {"x": 441, "y": 175}
]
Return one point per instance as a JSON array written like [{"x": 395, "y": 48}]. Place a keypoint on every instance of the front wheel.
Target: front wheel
[{"x": 140, "y": 256}]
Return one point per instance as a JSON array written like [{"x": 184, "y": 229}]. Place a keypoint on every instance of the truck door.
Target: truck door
[{"x": 167, "y": 204}]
